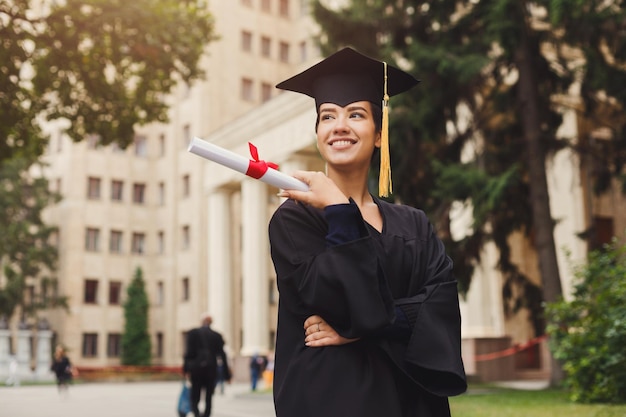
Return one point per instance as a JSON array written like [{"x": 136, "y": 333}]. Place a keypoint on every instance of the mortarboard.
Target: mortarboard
[{"x": 348, "y": 76}]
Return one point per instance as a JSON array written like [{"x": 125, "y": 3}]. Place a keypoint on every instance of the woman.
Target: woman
[
  {"x": 62, "y": 368},
  {"x": 368, "y": 320}
]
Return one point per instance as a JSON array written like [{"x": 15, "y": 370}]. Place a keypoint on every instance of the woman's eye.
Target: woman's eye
[
  {"x": 356, "y": 115},
  {"x": 326, "y": 117}
]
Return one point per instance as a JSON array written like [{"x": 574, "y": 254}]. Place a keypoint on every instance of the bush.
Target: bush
[{"x": 588, "y": 333}]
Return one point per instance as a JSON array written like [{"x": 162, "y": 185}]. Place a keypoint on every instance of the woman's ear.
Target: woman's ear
[{"x": 378, "y": 139}]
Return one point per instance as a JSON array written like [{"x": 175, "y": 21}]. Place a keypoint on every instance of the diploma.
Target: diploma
[{"x": 255, "y": 168}]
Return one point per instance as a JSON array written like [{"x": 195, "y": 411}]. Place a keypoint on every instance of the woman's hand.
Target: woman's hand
[
  {"x": 319, "y": 333},
  {"x": 322, "y": 190}
]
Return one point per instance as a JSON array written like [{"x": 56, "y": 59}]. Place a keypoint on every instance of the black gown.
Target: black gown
[{"x": 394, "y": 290}]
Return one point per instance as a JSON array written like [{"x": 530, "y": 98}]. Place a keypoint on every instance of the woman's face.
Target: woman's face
[{"x": 347, "y": 135}]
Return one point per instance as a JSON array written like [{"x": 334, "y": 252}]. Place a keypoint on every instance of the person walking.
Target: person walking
[
  {"x": 257, "y": 366},
  {"x": 203, "y": 348},
  {"x": 368, "y": 314},
  {"x": 62, "y": 368}
]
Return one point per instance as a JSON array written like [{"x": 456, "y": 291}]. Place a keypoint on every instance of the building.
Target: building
[{"x": 147, "y": 206}]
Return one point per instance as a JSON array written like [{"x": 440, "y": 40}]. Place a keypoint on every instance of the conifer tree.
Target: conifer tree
[{"x": 136, "y": 346}]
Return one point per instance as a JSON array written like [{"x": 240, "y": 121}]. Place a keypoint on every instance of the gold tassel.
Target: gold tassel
[{"x": 384, "y": 179}]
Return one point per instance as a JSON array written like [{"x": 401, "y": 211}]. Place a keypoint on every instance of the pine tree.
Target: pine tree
[{"x": 136, "y": 346}]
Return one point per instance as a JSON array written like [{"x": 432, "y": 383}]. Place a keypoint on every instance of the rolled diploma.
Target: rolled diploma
[{"x": 240, "y": 164}]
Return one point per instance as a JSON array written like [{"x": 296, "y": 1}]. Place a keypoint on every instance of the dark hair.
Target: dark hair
[{"x": 377, "y": 115}]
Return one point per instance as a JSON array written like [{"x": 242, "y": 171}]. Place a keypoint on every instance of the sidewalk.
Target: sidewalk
[{"x": 131, "y": 399}]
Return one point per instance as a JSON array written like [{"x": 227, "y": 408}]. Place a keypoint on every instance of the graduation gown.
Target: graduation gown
[{"x": 393, "y": 290}]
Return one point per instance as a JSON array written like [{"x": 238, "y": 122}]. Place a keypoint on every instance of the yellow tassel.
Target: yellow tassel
[{"x": 384, "y": 179}]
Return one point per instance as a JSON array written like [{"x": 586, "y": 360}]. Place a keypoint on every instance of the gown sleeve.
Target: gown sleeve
[
  {"x": 433, "y": 352},
  {"x": 319, "y": 272}
]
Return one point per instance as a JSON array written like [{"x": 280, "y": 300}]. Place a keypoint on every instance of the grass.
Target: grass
[{"x": 501, "y": 402}]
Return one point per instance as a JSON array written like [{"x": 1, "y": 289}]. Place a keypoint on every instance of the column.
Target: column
[
  {"x": 5, "y": 350},
  {"x": 23, "y": 353},
  {"x": 255, "y": 255},
  {"x": 44, "y": 340},
  {"x": 219, "y": 264}
]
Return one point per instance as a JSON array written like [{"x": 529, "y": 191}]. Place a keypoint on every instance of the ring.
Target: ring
[{"x": 318, "y": 327}]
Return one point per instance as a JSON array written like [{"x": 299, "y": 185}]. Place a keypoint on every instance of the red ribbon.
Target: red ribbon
[{"x": 257, "y": 167}]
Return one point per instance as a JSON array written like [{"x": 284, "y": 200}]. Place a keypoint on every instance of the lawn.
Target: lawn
[{"x": 499, "y": 402}]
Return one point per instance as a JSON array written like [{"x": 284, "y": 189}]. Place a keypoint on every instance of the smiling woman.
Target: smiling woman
[{"x": 368, "y": 316}]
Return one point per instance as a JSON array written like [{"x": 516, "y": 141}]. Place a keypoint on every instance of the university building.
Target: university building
[{"x": 198, "y": 231}]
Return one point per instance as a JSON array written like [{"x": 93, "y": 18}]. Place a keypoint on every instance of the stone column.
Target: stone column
[
  {"x": 23, "y": 353},
  {"x": 44, "y": 340},
  {"x": 5, "y": 350},
  {"x": 219, "y": 264},
  {"x": 255, "y": 251}
]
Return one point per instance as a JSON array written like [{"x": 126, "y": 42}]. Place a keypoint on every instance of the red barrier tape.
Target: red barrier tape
[{"x": 510, "y": 351}]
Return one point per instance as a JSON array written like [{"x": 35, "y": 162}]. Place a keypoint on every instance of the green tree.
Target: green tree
[
  {"x": 588, "y": 333},
  {"x": 105, "y": 66},
  {"x": 505, "y": 63},
  {"x": 27, "y": 255},
  {"x": 136, "y": 344}
]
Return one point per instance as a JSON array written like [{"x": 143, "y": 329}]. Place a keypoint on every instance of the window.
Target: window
[
  {"x": 115, "y": 241},
  {"x": 246, "y": 89},
  {"x": 162, "y": 145},
  {"x": 161, "y": 242},
  {"x": 266, "y": 50},
  {"x": 90, "y": 345},
  {"x": 159, "y": 294},
  {"x": 284, "y": 8},
  {"x": 186, "y": 136},
  {"x": 93, "y": 188},
  {"x": 161, "y": 193},
  {"x": 266, "y": 92},
  {"x": 266, "y": 5},
  {"x": 117, "y": 148},
  {"x": 139, "y": 191},
  {"x": 246, "y": 41},
  {"x": 91, "y": 291},
  {"x": 185, "y": 289},
  {"x": 284, "y": 52},
  {"x": 159, "y": 345},
  {"x": 186, "y": 191},
  {"x": 272, "y": 292},
  {"x": 141, "y": 146},
  {"x": 304, "y": 55},
  {"x": 114, "y": 345},
  {"x": 138, "y": 244},
  {"x": 93, "y": 141},
  {"x": 117, "y": 190},
  {"x": 115, "y": 293},
  {"x": 185, "y": 238},
  {"x": 92, "y": 239},
  {"x": 603, "y": 232}
]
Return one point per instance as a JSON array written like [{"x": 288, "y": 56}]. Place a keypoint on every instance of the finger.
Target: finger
[{"x": 312, "y": 320}]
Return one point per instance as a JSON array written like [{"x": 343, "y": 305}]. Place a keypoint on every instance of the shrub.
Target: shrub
[{"x": 588, "y": 333}]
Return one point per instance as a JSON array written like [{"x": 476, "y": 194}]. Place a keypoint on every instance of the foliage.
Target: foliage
[
  {"x": 588, "y": 333},
  {"x": 136, "y": 346},
  {"x": 103, "y": 65},
  {"x": 27, "y": 255}
]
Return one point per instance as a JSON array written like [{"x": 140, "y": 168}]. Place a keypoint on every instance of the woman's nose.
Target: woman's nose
[{"x": 341, "y": 124}]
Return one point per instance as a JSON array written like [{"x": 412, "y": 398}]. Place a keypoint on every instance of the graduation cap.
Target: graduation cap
[{"x": 348, "y": 76}]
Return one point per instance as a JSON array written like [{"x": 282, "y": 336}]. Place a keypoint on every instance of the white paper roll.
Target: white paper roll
[{"x": 240, "y": 164}]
